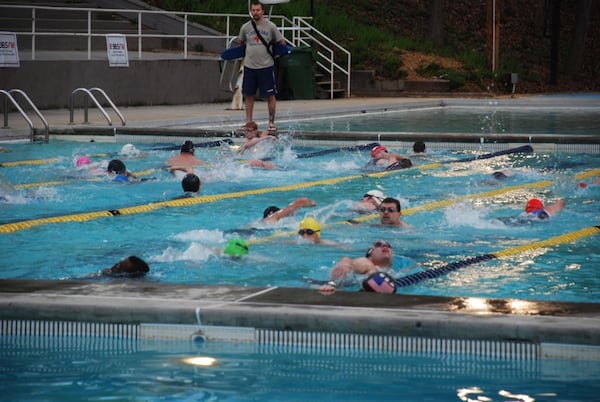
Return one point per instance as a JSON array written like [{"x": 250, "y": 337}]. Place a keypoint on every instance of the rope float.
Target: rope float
[
  {"x": 21, "y": 225},
  {"x": 415, "y": 278}
]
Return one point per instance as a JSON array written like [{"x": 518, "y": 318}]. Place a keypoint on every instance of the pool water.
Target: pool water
[
  {"x": 482, "y": 118},
  {"x": 183, "y": 244},
  {"x": 53, "y": 368}
]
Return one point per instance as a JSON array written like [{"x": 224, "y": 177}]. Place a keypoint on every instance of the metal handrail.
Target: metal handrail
[
  {"x": 8, "y": 97},
  {"x": 300, "y": 30},
  {"x": 85, "y": 113},
  {"x": 37, "y": 112},
  {"x": 307, "y": 34},
  {"x": 110, "y": 102}
]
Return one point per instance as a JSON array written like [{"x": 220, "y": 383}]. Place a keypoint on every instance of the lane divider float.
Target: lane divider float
[
  {"x": 571, "y": 237},
  {"x": 21, "y": 225}
]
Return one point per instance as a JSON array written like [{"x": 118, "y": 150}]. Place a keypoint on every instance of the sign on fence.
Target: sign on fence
[
  {"x": 116, "y": 47},
  {"x": 9, "y": 52}
]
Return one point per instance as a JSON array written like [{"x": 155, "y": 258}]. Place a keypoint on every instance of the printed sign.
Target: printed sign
[
  {"x": 116, "y": 47},
  {"x": 9, "y": 52}
]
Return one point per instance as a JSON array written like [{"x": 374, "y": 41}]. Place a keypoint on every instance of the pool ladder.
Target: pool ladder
[
  {"x": 33, "y": 136},
  {"x": 90, "y": 96}
]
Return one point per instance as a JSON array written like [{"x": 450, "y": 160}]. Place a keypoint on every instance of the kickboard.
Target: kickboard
[{"x": 238, "y": 52}]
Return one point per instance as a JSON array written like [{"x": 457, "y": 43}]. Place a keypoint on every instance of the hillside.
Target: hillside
[{"x": 525, "y": 43}]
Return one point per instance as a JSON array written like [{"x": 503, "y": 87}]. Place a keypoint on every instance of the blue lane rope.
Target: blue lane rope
[
  {"x": 415, "y": 278},
  {"x": 208, "y": 144}
]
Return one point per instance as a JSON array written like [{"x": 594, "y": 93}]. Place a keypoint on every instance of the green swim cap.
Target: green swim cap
[{"x": 236, "y": 248}]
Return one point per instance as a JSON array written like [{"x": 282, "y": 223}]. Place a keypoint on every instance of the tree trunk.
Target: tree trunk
[
  {"x": 436, "y": 24},
  {"x": 577, "y": 48}
]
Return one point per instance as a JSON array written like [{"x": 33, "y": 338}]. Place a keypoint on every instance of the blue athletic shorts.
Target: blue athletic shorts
[{"x": 262, "y": 78}]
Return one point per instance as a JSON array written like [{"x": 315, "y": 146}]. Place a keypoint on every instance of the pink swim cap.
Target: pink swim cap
[{"x": 83, "y": 160}]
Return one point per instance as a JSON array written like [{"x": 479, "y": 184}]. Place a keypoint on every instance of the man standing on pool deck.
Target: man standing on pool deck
[{"x": 259, "y": 71}]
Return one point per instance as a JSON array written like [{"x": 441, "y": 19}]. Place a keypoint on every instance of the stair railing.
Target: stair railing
[
  {"x": 90, "y": 96},
  {"x": 8, "y": 96}
]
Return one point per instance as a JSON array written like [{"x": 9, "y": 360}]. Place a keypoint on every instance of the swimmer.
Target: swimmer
[
  {"x": 534, "y": 208},
  {"x": 390, "y": 212},
  {"x": 370, "y": 202},
  {"x": 129, "y": 267},
  {"x": 253, "y": 137},
  {"x": 236, "y": 248},
  {"x": 117, "y": 170},
  {"x": 185, "y": 161},
  {"x": 129, "y": 150},
  {"x": 378, "y": 258},
  {"x": 419, "y": 149},
  {"x": 380, "y": 157},
  {"x": 273, "y": 213},
  {"x": 309, "y": 231},
  {"x": 191, "y": 186}
]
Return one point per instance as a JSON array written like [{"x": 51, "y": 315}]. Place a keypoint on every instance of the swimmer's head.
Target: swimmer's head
[
  {"x": 116, "y": 166},
  {"x": 310, "y": 226},
  {"x": 236, "y": 248},
  {"x": 377, "y": 150},
  {"x": 376, "y": 195},
  {"x": 129, "y": 150},
  {"x": 499, "y": 175},
  {"x": 419, "y": 147},
  {"x": 191, "y": 183},
  {"x": 82, "y": 160},
  {"x": 269, "y": 211},
  {"x": 187, "y": 147},
  {"x": 533, "y": 205}
]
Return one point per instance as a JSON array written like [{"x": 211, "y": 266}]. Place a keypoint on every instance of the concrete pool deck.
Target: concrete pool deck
[
  {"x": 289, "y": 309},
  {"x": 293, "y": 309}
]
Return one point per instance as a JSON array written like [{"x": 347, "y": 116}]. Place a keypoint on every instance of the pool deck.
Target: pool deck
[
  {"x": 140, "y": 301},
  {"x": 292, "y": 309}
]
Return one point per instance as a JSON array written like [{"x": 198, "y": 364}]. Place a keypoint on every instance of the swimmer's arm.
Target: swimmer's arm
[{"x": 343, "y": 268}]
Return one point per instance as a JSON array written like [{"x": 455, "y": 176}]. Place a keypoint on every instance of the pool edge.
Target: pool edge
[{"x": 296, "y": 309}]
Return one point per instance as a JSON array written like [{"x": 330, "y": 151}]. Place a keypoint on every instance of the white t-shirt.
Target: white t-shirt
[{"x": 256, "y": 52}]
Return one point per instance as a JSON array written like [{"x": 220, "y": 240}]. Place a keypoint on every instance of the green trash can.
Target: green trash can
[{"x": 297, "y": 74}]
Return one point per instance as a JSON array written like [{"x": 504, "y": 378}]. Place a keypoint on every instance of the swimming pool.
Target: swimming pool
[
  {"x": 453, "y": 208},
  {"x": 156, "y": 362}
]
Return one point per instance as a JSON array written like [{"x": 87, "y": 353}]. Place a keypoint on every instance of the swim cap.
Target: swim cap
[
  {"x": 191, "y": 183},
  {"x": 310, "y": 223},
  {"x": 379, "y": 282},
  {"x": 129, "y": 150},
  {"x": 116, "y": 166},
  {"x": 188, "y": 147},
  {"x": 270, "y": 211},
  {"x": 378, "y": 195},
  {"x": 533, "y": 205},
  {"x": 499, "y": 175},
  {"x": 377, "y": 150},
  {"x": 236, "y": 248},
  {"x": 83, "y": 160},
  {"x": 419, "y": 147}
]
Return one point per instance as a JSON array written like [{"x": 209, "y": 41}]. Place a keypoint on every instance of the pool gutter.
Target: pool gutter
[{"x": 291, "y": 309}]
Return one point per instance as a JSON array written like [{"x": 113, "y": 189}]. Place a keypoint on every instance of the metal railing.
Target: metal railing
[
  {"x": 8, "y": 96},
  {"x": 331, "y": 56},
  {"x": 89, "y": 95}
]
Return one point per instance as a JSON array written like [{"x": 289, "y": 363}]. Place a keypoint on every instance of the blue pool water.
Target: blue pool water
[
  {"x": 52, "y": 368},
  {"x": 182, "y": 244}
]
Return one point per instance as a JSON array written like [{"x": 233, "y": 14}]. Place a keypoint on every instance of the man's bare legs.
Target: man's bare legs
[
  {"x": 271, "y": 104},
  {"x": 249, "y": 104}
]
